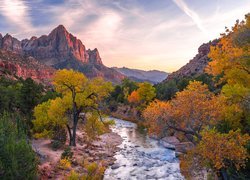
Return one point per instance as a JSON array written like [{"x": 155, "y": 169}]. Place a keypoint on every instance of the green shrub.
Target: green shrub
[
  {"x": 67, "y": 153},
  {"x": 56, "y": 145},
  {"x": 58, "y": 138},
  {"x": 17, "y": 159}
]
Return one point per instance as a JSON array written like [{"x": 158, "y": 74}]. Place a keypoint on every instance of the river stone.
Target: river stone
[
  {"x": 167, "y": 145},
  {"x": 183, "y": 147},
  {"x": 171, "y": 140},
  {"x": 115, "y": 166}
]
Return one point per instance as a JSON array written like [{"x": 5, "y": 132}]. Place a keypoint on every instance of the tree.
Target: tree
[
  {"x": 166, "y": 90},
  {"x": 218, "y": 151},
  {"x": 134, "y": 97},
  {"x": 189, "y": 112},
  {"x": 230, "y": 60},
  {"x": 29, "y": 95},
  {"x": 155, "y": 115},
  {"x": 78, "y": 95},
  {"x": 143, "y": 95},
  {"x": 17, "y": 159}
]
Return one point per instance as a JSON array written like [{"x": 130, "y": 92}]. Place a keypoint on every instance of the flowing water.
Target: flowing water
[{"x": 141, "y": 157}]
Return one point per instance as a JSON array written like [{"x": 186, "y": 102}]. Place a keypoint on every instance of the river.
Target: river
[{"x": 141, "y": 157}]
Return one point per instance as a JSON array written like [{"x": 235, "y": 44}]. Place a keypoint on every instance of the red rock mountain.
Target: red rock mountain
[
  {"x": 60, "y": 49},
  {"x": 14, "y": 65},
  {"x": 195, "y": 66}
]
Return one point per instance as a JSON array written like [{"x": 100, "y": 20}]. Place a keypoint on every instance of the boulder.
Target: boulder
[
  {"x": 183, "y": 147},
  {"x": 171, "y": 140}
]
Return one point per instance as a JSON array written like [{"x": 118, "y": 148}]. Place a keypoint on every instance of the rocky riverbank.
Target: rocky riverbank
[{"x": 100, "y": 151}]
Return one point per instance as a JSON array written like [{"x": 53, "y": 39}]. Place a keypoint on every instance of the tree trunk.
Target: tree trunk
[
  {"x": 74, "y": 129},
  {"x": 70, "y": 136}
]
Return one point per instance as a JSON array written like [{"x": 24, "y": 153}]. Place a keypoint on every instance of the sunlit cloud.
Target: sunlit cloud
[
  {"x": 192, "y": 14},
  {"x": 137, "y": 34},
  {"x": 17, "y": 12}
]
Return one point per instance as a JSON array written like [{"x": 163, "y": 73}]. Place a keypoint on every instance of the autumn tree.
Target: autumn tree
[
  {"x": 78, "y": 95},
  {"x": 189, "y": 112},
  {"x": 230, "y": 60},
  {"x": 156, "y": 114},
  {"x": 217, "y": 151},
  {"x": 196, "y": 112},
  {"x": 143, "y": 95}
]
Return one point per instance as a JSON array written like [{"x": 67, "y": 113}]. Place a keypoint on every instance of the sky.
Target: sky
[{"x": 142, "y": 34}]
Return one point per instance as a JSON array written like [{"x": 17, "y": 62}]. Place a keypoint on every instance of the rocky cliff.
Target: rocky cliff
[
  {"x": 14, "y": 65},
  {"x": 60, "y": 49},
  {"x": 195, "y": 66}
]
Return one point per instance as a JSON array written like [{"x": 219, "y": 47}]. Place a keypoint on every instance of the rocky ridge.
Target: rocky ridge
[
  {"x": 195, "y": 66},
  {"x": 60, "y": 49},
  {"x": 14, "y": 65}
]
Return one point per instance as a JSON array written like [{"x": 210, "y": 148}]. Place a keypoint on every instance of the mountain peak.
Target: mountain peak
[
  {"x": 94, "y": 56},
  {"x": 61, "y": 49},
  {"x": 60, "y": 28}
]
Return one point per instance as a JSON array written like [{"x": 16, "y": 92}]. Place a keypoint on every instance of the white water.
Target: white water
[{"x": 141, "y": 157}]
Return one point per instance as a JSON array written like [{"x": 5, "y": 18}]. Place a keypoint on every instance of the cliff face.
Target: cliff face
[
  {"x": 12, "y": 64},
  {"x": 196, "y": 66},
  {"x": 60, "y": 49}
]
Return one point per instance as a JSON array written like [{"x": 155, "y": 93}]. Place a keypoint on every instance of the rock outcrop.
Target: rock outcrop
[
  {"x": 60, "y": 49},
  {"x": 13, "y": 65},
  {"x": 196, "y": 66}
]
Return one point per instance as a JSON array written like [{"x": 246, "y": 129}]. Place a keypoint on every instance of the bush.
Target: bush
[
  {"x": 94, "y": 171},
  {"x": 56, "y": 145},
  {"x": 58, "y": 138},
  {"x": 67, "y": 153},
  {"x": 17, "y": 159},
  {"x": 64, "y": 164},
  {"x": 73, "y": 176}
]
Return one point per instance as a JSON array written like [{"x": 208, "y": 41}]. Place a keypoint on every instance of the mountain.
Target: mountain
[
  {"x": 13, "y": 65},
  {"x": 195, "y": 66},
  {"x": 60, "y": 49},
  {"x": 152, "y": 76}
]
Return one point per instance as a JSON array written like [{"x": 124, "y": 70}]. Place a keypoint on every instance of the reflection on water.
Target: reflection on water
[{"x": 141, "y": 157}]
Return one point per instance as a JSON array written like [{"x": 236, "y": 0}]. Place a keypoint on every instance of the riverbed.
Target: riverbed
[{"x": 141, "y": 157}]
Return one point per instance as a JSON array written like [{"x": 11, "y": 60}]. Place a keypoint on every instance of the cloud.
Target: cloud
[
  {"x": 192, "y": 14},
  {"x": 17, "y": 13},
  {"x": 136, "y": 34}
]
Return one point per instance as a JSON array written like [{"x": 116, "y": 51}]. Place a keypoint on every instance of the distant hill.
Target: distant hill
[
  {"x": 152, "y": 76},
  {"x": 60, "y": 49}
]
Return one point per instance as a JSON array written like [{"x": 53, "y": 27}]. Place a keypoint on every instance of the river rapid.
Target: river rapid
[{"x": 141, "y": 157}]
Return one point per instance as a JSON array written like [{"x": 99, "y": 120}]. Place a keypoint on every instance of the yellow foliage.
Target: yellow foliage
[
  {"x": 143, "y": 95},
  {"x": 216, "y": 151},
  {"x": 78, "y": 95},
  {"x": 73, "y": 176},
  {"x": 231, "y": 60},
  {"x": 94, "y": 171},
  {"x": 191, "y": 110},
  {"x": 156, "y": 115},
  {"x": 64, "y": 80},
  {"x": 94, "y": 127},
  {"x": 64, "y": 164},
  {"x": 134, "y": 97}
]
